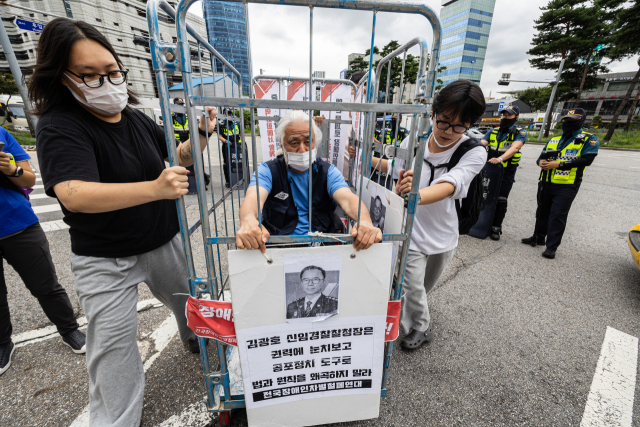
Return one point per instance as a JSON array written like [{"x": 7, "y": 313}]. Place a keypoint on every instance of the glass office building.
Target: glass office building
[
  {"x": 465, "y": 33},
  {"x": 227, "y": 32}
]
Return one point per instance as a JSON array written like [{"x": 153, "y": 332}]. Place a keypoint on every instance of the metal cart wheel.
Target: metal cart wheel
[{"x": 224, "y": 418}]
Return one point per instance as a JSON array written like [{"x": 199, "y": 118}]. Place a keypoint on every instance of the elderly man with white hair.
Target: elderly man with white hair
[{"x": 284, "y": 193}]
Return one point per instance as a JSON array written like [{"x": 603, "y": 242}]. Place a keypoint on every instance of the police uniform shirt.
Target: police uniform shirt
[
  {"x": 520, "y": 136},
  {"x": 227, "y": 129},
  {"x": 590, "y": 148},
  {"x": 323, "y": 305}
]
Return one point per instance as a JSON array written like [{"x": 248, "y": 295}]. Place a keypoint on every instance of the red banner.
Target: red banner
[
  {"x": 214, "y": 319},
  {"x": 211, "y": 319},
  {"x": 393, "y": 321}
]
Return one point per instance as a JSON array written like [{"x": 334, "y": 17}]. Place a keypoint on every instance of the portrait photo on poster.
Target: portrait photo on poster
[
  {"x": 378, "y": 211},
  {"x": 312, "y": 286}
]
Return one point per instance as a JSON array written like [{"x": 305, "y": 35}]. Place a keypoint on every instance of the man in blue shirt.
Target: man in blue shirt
[
  {"x": 284, "y": 193},
  {"x": 504, "y": 145},
  {"x": 562, "y": 163},
  {"x": 24, "y": 245}
]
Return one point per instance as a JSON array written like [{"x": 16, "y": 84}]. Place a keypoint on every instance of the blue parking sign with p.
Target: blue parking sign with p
[{"x": 23, "y": 24}]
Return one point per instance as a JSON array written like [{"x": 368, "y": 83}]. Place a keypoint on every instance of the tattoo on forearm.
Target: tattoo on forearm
[
  {"x": 186, "y": 152},
  {"x": 69, "y": 188}
]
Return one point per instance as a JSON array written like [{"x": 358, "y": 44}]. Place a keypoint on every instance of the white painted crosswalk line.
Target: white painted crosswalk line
[
  {"x": 53, "y": 225},
  {"x": 38, "y": 187},
  {"x": 46, "y": 208},
  {"x": 39, "y": 196},
  {"x": 610, "y": 401}
]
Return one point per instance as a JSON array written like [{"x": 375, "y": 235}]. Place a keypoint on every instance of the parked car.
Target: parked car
[
  {"x": 15, "y": 120},
  {"x": 633, "y": 239}
]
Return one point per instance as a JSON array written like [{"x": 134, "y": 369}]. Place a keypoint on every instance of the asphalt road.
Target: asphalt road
[{"x": 518, "y": 336}]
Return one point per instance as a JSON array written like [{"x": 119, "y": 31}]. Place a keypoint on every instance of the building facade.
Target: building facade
[
  {"x": 127, "y": 31},
  {"x": 227, "y": 33},
  {"x": 606, "y": 97},
  {"x": 465, "y": 34}
]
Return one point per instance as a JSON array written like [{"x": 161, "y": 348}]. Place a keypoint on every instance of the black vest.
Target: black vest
[{"x": 280, "y": 215}]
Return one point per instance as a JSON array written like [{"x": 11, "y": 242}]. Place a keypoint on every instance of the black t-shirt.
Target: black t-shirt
[{"x": 73, "y": 144}]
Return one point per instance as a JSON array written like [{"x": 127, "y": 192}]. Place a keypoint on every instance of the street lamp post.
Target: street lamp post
[{"x": 506, "y": 79}]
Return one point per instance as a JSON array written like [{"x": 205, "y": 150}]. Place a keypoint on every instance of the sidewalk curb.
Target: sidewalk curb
[{"x": 599, "y": 148}]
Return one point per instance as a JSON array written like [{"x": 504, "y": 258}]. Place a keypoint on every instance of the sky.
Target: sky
[{"x": 280, "y": 40}]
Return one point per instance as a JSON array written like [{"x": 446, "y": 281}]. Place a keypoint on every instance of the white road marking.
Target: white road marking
[
  {"x": 38, "y": 179},
  {"x": 37, "y": 335},
  {"x": 610, "y": 401},
  {"x": 194, "y": 415},
  {"x": 162, "y": 337},
  {"x": 39, "y": 196},
  {"x": 54, "y": 225},
  {"x": 38, "y": 186},
  {"x": 46, "y": 208},
  {"x": 634, "y": 167}
]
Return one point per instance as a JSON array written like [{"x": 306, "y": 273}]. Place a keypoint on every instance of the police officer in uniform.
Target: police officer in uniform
[
  {"x": 180, "y": 123},
  {"x": 386, "y": 130},
  {"x": 229, "y": 136},
  {"x": 504, "y": 145},
  {"x": 562, "y": 163},
  {"x": 314, "y": 303}
]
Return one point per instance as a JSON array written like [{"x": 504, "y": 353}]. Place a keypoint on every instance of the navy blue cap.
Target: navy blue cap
[
  {"x": 576, "y": 114},
  {"x": 511, "y": 109},
  {"x": 178, "y": 101}
]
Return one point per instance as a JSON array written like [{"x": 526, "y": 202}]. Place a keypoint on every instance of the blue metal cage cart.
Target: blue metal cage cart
[{"x": 217, "y": 219}]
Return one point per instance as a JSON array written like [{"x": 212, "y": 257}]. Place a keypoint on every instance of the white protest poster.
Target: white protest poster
[
  {"x": 386, "y": 209},
  {"x": 338, "y": 132},
  {"x": 302, "y": 374},
  {"x": 268, "y": 89},
  {"x": 295, "y": 90},
  {"x": 312, "y": 286}
]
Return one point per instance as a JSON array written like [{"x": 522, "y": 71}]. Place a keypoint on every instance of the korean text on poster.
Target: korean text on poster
[{"x": 311, "y": 360}]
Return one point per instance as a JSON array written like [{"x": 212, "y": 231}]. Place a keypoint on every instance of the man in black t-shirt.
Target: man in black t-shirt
[{"x": 105, "y": 163}]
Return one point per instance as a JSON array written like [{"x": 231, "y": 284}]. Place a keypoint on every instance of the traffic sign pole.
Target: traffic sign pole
[
  {"x": 17, "y": 75},
  {"x": 549, "y": 115}
]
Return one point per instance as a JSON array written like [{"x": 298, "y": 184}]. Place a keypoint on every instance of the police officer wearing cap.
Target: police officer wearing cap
[
  {"x": 562, "y": 163},
  {"x": 180, "y": 122},
  {"x": 504, "y": 144},
  {"x": 385, "y": 133}
]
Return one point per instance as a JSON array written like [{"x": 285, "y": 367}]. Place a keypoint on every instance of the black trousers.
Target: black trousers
[
  {"x": 508, "y": 179},
  {"x": 236, "y": 163},
  {"x": 554, "y": 202},
  {"x": 28, "y": 253}
]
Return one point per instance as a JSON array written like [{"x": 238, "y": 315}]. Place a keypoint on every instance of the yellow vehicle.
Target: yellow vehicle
[{"x": 633, "y": 239}]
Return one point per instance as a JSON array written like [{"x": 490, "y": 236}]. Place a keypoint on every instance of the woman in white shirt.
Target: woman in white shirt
[{"x": 435, "y": 229}]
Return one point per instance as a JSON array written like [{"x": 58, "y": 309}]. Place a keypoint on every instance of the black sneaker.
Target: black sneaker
[
  {"x": 549, "y": 253},
  {"x": 533, "y": 241},
  {"x": 495, "y": 233},
  {"x": 193, "y": 346},
  {"x": 6, "y": 351},
  {"x": 226, "y": 184},
  {"x": 76, "y": 340}
]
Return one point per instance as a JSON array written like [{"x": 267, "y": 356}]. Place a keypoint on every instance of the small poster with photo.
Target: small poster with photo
[
  {"x": 312, "y": 286},
  {"x": 377, "y": 209}
]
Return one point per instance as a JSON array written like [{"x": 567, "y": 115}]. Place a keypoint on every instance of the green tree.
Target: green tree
[
  {"x": 8, "y": 85},
  {"x": 625, "y": 42},
  {"x": 536, "y": 97},
  {"x": 357, "y": 64},
  {"x": 559, "y": 30},
  {"x": 596, "y": 122},
  {"x": 635, "y": 123}
]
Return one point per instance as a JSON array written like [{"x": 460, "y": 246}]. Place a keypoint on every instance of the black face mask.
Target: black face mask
[
  {"x": 505, "y": 124},
  {"x": 571, "y": 126}
]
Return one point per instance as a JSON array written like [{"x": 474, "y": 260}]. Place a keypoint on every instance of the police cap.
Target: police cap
[
  {"x": 511, "y": 109},
  {"x": 575, "y": 114}
]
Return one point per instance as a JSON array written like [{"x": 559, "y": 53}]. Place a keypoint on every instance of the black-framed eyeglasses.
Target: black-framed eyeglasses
[
  {"x": 315, "y": 281},
  {"x": 442, "y": 125},
  {"x": 95, "y": 80}
]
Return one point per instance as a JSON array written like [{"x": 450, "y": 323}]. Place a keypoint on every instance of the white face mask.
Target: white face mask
[
  {"x": 300, "y": 161},
  {"x": 108, "y": 99},
  {"x": 436, "y": 141}
]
